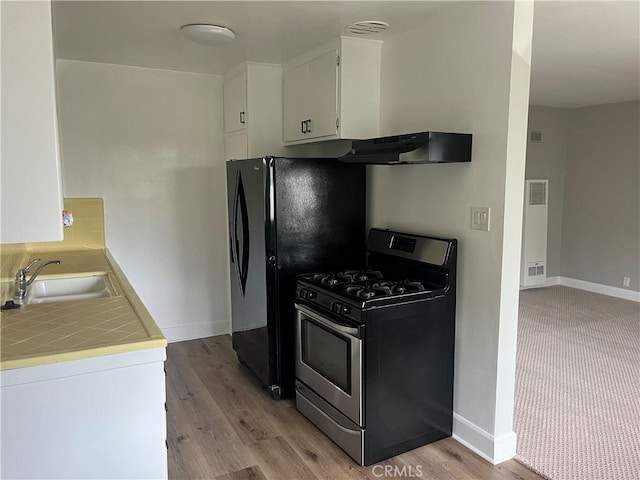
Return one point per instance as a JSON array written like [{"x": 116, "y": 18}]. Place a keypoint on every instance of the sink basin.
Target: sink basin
[{"x": 66, "y": 289}]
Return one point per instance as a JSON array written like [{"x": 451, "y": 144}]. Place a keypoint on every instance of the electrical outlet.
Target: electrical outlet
[{"x": 626, "y": 281}]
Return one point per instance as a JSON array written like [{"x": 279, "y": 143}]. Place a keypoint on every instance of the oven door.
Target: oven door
[{"x": 329, "y": 361}]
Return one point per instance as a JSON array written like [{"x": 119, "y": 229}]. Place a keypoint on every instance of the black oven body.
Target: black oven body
[
  {"x": 407, "y": 363},
  {"x": 408, "y": 378}
]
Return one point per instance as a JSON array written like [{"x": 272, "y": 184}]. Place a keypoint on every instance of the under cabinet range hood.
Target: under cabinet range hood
[{"x": 424, "y": 147}]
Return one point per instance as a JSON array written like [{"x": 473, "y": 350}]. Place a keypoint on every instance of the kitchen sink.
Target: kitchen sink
[{"x": 67, "y": 289}]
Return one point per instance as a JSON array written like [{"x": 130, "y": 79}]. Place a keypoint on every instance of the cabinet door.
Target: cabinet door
[
  {"x": 236, "y": 147},
  {"x": 31, "y": 193},
  {"x": 295, "y": 98},
  {"x": 322, "y": 95},
  {"x": 235, "y": 103}
]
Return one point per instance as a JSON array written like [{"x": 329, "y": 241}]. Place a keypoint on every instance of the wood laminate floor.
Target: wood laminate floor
[{"x": 222, "y": 425}]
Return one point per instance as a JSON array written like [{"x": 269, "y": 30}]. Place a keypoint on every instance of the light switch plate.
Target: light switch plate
[{"x": 480, "y": 218}]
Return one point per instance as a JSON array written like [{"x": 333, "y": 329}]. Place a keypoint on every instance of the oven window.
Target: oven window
[{"x": 327, "y": 353}]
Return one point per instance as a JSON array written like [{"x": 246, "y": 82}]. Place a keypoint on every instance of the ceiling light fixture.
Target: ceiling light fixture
[{"x": 206, "y": 34}]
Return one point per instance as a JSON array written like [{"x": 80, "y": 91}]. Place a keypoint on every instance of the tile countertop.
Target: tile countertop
[{"x": 41, "y": 334}]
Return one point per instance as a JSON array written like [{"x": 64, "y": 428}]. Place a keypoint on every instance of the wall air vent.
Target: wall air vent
[
  {"x": 538, "y": 193},
  {"x": 535, "y": 137},
  {"x": 536, "y": 270},
  {"x": 367, "y": 27},
  {"x": 534, "y": 233}
]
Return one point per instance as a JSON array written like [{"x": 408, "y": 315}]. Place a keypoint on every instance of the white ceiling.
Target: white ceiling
[{"x": 584, "y": 52}]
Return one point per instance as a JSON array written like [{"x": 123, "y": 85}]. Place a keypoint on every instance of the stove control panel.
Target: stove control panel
[
  {"x": 419, "y": 248},
  {"x": 307, "y": 294},
  {"x": 328, "y": 303},
  {"x": 403, "y": 244},
  {"x": 340, "y": 308}
]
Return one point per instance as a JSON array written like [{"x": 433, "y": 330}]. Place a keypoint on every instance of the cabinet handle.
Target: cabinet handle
[
  {"x": 242, "y": 117},
  {"x": 305, "y": 126}
]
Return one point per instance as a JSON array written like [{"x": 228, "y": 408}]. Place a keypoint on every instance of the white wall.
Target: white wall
[
  {"x": 467, "y": 70},
  {"x": 601, "y": 217},
  {"x": 150, "y": 143},
  {"x": 591, "y": 157}
]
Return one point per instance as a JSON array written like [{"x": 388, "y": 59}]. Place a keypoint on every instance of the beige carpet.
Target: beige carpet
[{"x": 577, "y": 409}]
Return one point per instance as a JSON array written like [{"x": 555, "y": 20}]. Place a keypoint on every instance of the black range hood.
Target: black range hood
[{"x": 424, "y": 147}]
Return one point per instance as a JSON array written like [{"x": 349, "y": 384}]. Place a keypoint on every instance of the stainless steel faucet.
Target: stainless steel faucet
[{"x": 21, "y": 279}]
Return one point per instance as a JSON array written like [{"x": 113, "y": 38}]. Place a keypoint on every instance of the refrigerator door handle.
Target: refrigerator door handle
[
  {"x": 233, "y": 223},
  {"x": 241, "y": 214}
]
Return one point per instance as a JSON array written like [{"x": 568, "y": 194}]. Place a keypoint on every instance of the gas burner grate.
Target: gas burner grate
[
  {"x": 361, "y": 275},
  {"x": 365, "y": 291},
  {"x": 383, "y": 288},
  {"x": 365, "y": 284},
  {"x": 344, "y": 277}
]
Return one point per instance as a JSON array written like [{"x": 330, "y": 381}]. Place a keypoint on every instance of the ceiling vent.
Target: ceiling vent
[{"x": 367, "y": 27}]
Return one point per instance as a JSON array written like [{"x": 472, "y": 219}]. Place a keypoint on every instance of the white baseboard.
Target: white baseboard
[
  {"x": 590, "y": 287},
  {"x": 551, "y": 281},
  {"x": 493, "y": 449},
  {"x": 603, "y": 289},
  {"x": 191, "y": 331}
]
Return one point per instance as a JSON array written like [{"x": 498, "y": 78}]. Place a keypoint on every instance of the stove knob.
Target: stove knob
[
  {"x": 303, "y": 293},
  {"x": 340, "y": 309},
  {"x": 311, "y": 295}
]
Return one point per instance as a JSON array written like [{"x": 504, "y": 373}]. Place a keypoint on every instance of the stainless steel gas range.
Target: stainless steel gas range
[{"x": 375, "y": 347}]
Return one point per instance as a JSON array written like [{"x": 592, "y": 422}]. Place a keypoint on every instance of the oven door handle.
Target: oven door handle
[
  {"x": 327, "y": 323},
  {"x": 302, "y": 390}
]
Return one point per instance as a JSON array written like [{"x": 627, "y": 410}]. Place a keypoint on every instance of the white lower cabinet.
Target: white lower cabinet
[{"x": 101, "y": 417}]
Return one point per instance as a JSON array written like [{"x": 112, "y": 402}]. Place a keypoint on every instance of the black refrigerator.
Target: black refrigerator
[{"x": 287, "y": 216}]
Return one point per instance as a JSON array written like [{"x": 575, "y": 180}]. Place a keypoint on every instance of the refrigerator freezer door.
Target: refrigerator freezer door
[
  {"x": 248, "y": 203},
  {"x": 286, "y": 217},
  {"x": 320, "y": 216}
]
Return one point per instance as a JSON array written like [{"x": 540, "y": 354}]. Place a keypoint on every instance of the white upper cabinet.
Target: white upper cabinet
[
  {"x": 31, "y": 196},
  {"x": 333, "y": 92},
  {"x": 235, "y": 103},
  {"x": 253, "y": 111},
  {"x": 236, "y": 146},
  {"x": 311, "y": 98},
  {"x": 295, "y": 98}
]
